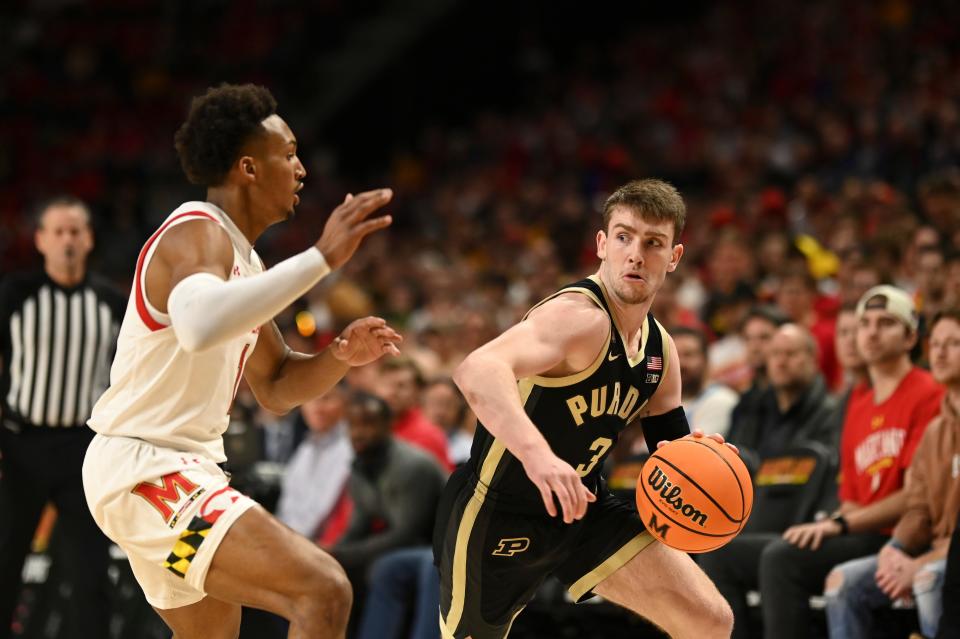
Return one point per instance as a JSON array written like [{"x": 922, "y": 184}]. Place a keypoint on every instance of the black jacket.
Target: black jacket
[{"x": 759, "y": 429}]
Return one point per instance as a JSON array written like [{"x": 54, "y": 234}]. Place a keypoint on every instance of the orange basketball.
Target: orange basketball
[{"x": 694, "y": 494}]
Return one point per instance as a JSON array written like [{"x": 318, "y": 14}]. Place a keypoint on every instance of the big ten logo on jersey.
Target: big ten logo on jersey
[
  {"x": 511, "y": 546},
  {"x": 174, "y": 494},
  {"x": 604, "y": 400},
  {"x": 235, "y": 273}
]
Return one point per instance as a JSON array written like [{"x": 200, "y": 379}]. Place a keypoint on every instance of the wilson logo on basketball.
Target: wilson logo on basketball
[{"x": 672, "y": 495}]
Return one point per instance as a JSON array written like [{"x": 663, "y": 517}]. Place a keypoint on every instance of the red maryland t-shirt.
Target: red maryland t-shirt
[{"x": 879, "y": 440}]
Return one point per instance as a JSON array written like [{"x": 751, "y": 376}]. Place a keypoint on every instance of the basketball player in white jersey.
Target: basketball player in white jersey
[{"x": 200, "y": 316}]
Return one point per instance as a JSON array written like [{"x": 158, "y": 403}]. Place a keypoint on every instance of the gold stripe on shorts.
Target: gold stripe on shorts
[{"x": 612, "y": 564}]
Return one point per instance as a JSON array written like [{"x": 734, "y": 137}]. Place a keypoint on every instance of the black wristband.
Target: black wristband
[
  {"x": 668, "y": 426},
  {"x": 844, "y": 526}
]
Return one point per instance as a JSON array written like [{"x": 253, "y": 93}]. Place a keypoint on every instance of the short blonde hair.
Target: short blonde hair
[{"x": 652, "y": 199}]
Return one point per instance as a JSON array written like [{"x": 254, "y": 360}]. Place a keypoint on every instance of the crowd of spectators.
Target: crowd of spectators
[{"x": 816, "y": 145}]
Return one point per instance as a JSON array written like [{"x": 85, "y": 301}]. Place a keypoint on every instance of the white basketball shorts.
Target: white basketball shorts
[{"x": 168, "y": 510}]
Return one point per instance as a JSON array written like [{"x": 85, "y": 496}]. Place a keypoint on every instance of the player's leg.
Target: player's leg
[
  {"x": 209, "y": 618},
  {"x": 189, "y": 535},
  {"x": 491, "y": 562},
  {"x": 616, "y": 557},
  {"x": 665, "y": 586},
  {"x": 263, "y": 564}
]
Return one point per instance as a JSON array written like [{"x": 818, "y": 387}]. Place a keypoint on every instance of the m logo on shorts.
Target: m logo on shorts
[
  {"x": 168, "y": 492},
  {"x": 511, "y": 546}
]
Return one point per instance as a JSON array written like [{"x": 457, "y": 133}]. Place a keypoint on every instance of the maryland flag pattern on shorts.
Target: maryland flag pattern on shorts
[
  {"x": 190, "y": 539},
  {"x": 186, "y": 547}
]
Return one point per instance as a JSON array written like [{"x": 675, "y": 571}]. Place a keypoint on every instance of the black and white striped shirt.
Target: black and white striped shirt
[{"x": 56, "y": 344}]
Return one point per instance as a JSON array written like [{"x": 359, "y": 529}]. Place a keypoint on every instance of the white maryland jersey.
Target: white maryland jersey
[{"x": 160, "y": 393}]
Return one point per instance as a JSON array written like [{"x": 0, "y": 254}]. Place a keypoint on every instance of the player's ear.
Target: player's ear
[
  {"x": 248, "y": 167},
  {"x": 602, "y": 244},
  {"x": 675, "y": 258}
]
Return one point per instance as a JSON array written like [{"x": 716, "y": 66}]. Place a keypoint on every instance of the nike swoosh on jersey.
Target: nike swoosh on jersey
[{"x": 611, "y": 357}]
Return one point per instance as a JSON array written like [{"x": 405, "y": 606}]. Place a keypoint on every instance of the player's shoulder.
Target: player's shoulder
[
  {"x": 571, "y": 308},
  {"x": 192, "y": 225},
  {"x": 193, "y": 215},
  {"x": 195, "y": 209},
  {"x": 570, "y": 320},
  {"x": 655, "y": 325}
]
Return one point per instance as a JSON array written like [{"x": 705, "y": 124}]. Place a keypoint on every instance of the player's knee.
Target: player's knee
[
  {"x": 718, "y": 617},
  {"x": 325, "y": 597},
  {"x": 703, "y": 614}
]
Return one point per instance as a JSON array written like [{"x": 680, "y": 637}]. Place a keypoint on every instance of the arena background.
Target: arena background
[{"x": 817, "y": 136}]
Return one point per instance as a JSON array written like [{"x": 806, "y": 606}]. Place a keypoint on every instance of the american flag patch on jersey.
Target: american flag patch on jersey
[{"x": 654, "y": 363}]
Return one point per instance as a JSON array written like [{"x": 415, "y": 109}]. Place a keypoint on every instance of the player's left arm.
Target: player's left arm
[
  {"x": 282, "y": 379},
  {"x": 663, "y": 419}
]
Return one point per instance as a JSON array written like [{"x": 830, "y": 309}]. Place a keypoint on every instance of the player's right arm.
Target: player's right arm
[
  {"x": 561, "y": 337},
  {"x": 187, "y": 277}
]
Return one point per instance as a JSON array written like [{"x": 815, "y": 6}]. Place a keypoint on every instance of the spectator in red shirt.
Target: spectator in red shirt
[
  {"x": 881, "y": 431},
  {"x": 401, "y": 385}
]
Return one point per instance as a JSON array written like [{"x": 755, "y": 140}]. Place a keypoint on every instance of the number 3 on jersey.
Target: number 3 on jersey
[{"x": 601, "y": 445}]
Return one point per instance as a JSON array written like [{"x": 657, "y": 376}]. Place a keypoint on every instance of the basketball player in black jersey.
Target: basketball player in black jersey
[{"x": 552, "y": 395}]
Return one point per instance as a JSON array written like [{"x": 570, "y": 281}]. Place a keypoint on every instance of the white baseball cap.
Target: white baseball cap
[{"x": 893, "y": 300}]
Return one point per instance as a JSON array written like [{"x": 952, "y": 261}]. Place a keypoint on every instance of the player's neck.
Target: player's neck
[
  {"x": 886, "y": 376},
  {"x": 231, "y": 201},
  {"x": 628, "y": 317}
]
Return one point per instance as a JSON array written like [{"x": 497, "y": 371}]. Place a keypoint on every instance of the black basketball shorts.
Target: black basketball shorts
[{"x": 493, "y": 559}]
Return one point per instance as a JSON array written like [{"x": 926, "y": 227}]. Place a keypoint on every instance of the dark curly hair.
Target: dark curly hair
[{"x": 219, "y": 123}]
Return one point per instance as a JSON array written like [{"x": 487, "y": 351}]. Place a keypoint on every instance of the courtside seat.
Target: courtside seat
[{"x": 790, "y": 487}]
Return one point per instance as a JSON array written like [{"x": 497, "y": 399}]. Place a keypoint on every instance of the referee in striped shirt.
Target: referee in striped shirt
[{"x": 58, "y": 331}]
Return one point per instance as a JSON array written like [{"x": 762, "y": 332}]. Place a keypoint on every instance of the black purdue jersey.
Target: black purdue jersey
[{"x": 581, "y": 416}]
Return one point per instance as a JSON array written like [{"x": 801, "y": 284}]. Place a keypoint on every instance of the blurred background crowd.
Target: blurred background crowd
[{"x": 816, "y": 144}]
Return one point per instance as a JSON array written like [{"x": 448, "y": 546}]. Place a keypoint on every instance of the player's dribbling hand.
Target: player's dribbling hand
[
  {"x": 365, "y": 340},
  {"x": 553, "y": 476},
  {"x": 717, "y": 437},
  {"x": 348, "y": 225}
]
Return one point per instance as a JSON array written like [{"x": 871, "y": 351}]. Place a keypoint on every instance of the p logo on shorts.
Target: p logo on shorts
[{"x": 511, "y": 546}]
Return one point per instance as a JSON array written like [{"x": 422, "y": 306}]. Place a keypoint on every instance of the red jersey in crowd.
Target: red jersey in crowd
[
  {"x": 413, "y": 427},
  {"x": 879, "y": 439}
]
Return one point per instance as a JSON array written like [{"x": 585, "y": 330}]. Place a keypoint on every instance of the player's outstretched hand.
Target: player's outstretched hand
[
  {"x": 717, "y": 437},
  {"x": 553, "y": 476},
  {"x": 349, "y": 224},
  {"x": 365, "y": 340}
]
